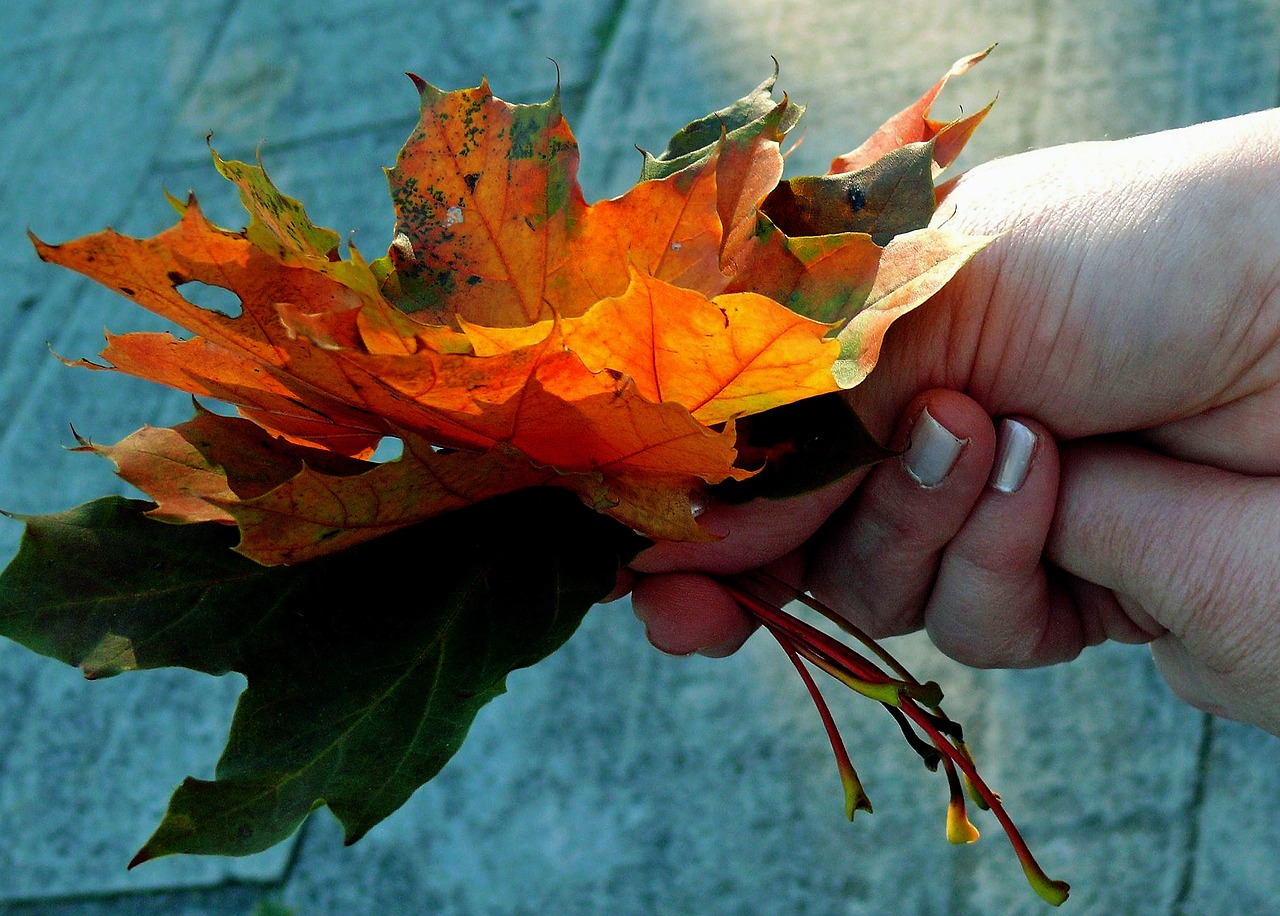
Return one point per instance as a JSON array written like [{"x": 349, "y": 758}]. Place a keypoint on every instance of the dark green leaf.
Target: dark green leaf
[
  {"x": 803, "y": 446},
  {"x": 892, "y": 196},
  {"x": 742, "y": 120},
  {"x": 365, "y": 668}
]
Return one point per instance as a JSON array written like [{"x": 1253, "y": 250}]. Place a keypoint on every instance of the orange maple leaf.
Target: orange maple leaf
[
  {"x": 492, "y": 226},
  {"x": 513, "y": 336}
]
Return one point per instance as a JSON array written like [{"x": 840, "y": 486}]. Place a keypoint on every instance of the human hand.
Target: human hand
[
  {"x": 1190, "y": 548},
  {"x": 1133, "y": 291}
]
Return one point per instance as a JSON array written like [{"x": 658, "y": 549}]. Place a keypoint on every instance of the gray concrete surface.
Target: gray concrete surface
[{"x": 611, "y": 779}]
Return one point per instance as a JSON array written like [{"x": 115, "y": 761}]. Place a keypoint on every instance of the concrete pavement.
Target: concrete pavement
[{"x": 610, "y": 779}]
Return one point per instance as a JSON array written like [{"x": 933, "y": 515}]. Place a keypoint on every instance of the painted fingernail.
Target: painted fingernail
[
  {"x": 1013, "y": 456},
  {"x": 933, "y": 451}
]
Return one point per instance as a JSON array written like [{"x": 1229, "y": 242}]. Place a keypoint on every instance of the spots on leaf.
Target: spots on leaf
[{"x": 857, "y": 198}]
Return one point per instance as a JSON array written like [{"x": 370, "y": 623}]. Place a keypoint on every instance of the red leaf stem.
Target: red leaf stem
[
  {"x": 801, "y": 640},
  {"x": 855, "y": 797},
  {"x": 848, "y": 626},
  {"x": 1053, "y": 891},
  {"x": 833, "y": 656}
]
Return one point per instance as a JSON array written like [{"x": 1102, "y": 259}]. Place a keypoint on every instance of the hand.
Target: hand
[
  {"x": 1194, "y": 549},
  {"x": 1133, "y": 291}
]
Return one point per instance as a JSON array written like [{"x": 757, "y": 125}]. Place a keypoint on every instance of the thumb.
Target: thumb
[{"x": 1189, "y": 549}]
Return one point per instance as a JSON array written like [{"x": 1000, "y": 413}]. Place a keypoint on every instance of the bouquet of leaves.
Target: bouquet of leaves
[{"x": 564, "y": 379}]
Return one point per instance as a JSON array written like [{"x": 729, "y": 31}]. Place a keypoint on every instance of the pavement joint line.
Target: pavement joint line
[
  {"x": 301, "y": 141},
  {"x": 1193, "y": 812},
  {"x": 145, "y": 176},
  {"x": 609, "y": 39}
]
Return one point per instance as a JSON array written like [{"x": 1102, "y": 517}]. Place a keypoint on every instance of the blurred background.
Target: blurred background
[{"x": 611, "y": 779}]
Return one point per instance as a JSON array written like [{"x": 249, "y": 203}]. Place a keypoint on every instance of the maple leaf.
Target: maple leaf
[
  {"x": 740, "y": 122},
  {"x": 722, "y": 358},
  {"x": 682, "y": 293},
  {"x": 492, "y": 226},
  {"x": 345, "y": 376},
  {"x": 913, "y": 125},
  {"x": 320, "y": 358},
  {"x": 691, "y": 334},
  {"x": 392, "y": 673}
]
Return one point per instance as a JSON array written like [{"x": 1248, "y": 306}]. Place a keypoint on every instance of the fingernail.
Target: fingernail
[
  {"x": 933, "y": 451},
  {"x": 1013, "y": 456}
]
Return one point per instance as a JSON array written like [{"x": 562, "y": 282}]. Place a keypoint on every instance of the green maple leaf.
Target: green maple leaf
[
  {"x": 365, "y": 668},
  {"x": 739, "y": 123},
  {"x": 893, "y": 195}
]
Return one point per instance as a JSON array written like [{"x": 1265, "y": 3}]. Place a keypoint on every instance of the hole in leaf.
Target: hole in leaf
[
  {"x": 389, "y": 449},
  {"x": 212, "y": 298}
]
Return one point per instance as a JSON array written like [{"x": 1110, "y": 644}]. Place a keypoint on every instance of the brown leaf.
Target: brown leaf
[
  {"x": 194, "y": 469},
  {"x": 891, "y": 196},
  {"x": 314, "y": 513}
]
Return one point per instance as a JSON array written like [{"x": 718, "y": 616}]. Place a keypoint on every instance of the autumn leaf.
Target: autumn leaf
[
  {"x": 914, "y": 267},
  {"x": 739, "y": 122},
  {"x": 233, "y": 357},
  {"x": 486, "y": 196},
  {"x": 194, "y": 468},
  {"x": 277, "y": 222},
  {"x": 509, "y": 311},
  {"x": 403, "y": 642},
  {"x": 667, "y": 227},
  {"x": 294, "y": 503},
  {"x": 891, "y": 196},
  {"x": 913, "y": 125},
  {"x": 492, "y": 226},
  {"x": 886, "y": 186},
  {"x": 315, "y": 513},
  {"x": 562, "y": 378},
  {"x": 721, "y": 358},
  {"x": 352, "y": 374}
]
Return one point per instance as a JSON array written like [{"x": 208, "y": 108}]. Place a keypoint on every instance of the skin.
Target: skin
[{"x": 1128, "y": 315}]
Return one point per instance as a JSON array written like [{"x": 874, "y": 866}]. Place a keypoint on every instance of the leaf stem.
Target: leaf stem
[
  {"x": 847, "y": 665},
  {"x": 907, "y": 699},
  {"x": 855, "y": 797},
  {"x": 1054, "y": 892},
  {"x": 853, "y": 630}
]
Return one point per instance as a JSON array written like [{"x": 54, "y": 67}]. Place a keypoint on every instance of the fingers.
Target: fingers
[
  {"x": 963, "y": 556},
  {"x": 684, "y": 613},
  {"x": 751, "y": 535},
  {"x": 1010, "y": 559},
  {"x": 1186, "y": 548},
  {"x": 995, "y": 603},
  {"x": 927, "y": 538},
  {"x": 877, "y": 560}
]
